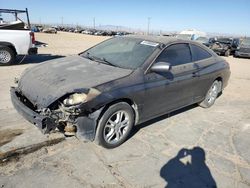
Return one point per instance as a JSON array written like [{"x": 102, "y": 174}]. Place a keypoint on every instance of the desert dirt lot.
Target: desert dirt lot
[{"x": 149, "y": 158}]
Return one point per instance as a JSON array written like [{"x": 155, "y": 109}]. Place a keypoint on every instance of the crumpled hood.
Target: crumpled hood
[
  {"x": 218, "y": 45},
  {"x": 47, "y": 82}
]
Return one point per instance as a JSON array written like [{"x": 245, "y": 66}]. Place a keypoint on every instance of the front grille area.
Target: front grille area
[
  {"x": 26, "y": 101},
  {"x": 244, "y": 50}
]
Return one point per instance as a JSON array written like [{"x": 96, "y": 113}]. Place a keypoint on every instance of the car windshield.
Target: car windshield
[
  {"x": 202, "y": 39},
  {"x": 124, "y": 52},
  {"x": 225, "y": 40},
  {"x": 246, "y": 42}
]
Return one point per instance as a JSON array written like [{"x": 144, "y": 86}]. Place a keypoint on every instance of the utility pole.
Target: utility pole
[
  {"x": 1, "y": 19},
  {"x": 149, "y": 18},
  {"x": 62, "y": 20},
  {"x": 94, "y": 22}
]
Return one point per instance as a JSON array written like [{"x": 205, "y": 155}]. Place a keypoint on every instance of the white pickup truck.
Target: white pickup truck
[
  {"x": 15, "y": 39},
  {"x": 15, "y": 42}
]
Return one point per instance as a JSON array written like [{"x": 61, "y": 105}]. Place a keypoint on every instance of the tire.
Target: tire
[
  {"x": 7, "y": 56},
  {"x": 227, "y": 53},
  {"x": 115, "y": 125},
  {"x": 211, "y": 95}
]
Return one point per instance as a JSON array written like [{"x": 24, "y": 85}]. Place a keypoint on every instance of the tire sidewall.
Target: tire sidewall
[
  {"x": 104, "y": 118},
  {"x": 206, "y": 98},
  {"x": 10, "y": 51}
]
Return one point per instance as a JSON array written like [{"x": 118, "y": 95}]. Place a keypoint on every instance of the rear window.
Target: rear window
[{"x": 199, "y": 53}]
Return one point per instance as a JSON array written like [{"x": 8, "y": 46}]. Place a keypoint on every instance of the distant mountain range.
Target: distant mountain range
[
  {"x": 123, "y": 28},
  {"x": 113, "y": 28},
  {"x": 143, "y": 31}
]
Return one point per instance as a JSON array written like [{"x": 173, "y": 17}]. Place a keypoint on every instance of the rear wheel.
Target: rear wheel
[
  {"x": 7, "y": 56},
  {"x": 115, "y": 125},
  {"x": 211, "y": 94}
]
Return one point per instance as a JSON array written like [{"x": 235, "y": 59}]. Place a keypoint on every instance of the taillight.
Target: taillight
[{"x": 32, "y": 35}]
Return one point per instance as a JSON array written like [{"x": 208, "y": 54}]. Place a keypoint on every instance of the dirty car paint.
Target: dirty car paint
[
  {"x": 149, "y": 93},
  {"x": 45, "y": 83}
]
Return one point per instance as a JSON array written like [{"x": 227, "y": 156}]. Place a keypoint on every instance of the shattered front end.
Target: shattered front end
[
  {"x": 67, "y": 115},
  {"x": 25, "y": 108}
]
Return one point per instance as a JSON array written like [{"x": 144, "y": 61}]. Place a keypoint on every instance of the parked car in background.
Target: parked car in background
[
  {"x": 104, "y": 91},
  {"x": 99, "y": 33},
  {"x": 15, "y": 42},
  {"x": 89, "y": 31},
  {"x": 15, "y": 38},
  {"x": 190, "y": 34},
  {"x": 243, "y": 49},
  {"x": 50, "y": 30},
  {"x": 212, "y": 40},
  {"x": 185, "y": 36},
  {"x": 225, "y": 46},
  {"x": 37, "y": 28},
  {"x": 203, "y": 40}
]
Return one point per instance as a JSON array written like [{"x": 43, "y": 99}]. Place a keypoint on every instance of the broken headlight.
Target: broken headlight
[
  {"x": 75, "y": 99},
  {"x": 78, "y": 98}
]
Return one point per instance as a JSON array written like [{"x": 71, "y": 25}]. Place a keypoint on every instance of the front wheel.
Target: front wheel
[
  {"x": 7, "y": 56},
  {"x": 115, "y": 125},
  {"x": 211, "y": 95}
]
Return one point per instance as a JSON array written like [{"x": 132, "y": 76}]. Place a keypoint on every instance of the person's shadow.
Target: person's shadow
[{"x": 188, "y": 170}]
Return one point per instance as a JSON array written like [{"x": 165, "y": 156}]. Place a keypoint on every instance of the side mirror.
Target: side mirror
[{"x": 161, "y": 67}]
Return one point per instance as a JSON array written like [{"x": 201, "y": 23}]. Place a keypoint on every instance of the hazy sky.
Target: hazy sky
[{"x": 220, "y": 16}]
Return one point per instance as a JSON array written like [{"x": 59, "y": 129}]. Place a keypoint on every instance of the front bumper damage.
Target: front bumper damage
[
  {"x": 220, "y": 51},
  {"x": 85, "y": 124},
  {"x": 44, "y": 123}
]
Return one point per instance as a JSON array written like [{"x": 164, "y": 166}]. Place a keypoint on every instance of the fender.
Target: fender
[{"x": 8, "y": 44}]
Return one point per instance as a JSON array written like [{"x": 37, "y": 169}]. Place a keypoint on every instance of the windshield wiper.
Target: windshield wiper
[
  {"x": 98, "y": 59},
  {"x": 103, "y": 60},
  {"x": 87, "y": 55}
]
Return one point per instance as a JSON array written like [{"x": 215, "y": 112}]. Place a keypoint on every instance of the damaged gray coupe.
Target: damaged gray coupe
[{"x": 104, "y": 91}]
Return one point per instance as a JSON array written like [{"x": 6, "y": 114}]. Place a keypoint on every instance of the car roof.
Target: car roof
[{"x": 158, "y": 39}]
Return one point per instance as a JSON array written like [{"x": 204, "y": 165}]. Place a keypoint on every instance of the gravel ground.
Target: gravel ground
[{"x": 151, "y": 157}]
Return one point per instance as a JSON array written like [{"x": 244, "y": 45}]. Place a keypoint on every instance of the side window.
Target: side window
[
  {"x": 176, "y": 54},
  {"x": 198, "y": 53}
]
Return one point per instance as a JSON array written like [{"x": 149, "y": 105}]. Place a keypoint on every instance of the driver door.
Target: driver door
[{"x": 167, "y": 91}]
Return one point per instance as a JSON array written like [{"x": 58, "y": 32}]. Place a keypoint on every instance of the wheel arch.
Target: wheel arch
[
  {"x": 129, "y": 101},
  {"x": 8, "y": 44},
  {"x": 220, "y": 80}
]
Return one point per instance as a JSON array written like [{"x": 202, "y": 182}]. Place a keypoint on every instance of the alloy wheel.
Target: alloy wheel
[
  {"x": 212, "y": 94},
  {"x": 5, "y": 56},
  {"x": 116, "y": 127}
]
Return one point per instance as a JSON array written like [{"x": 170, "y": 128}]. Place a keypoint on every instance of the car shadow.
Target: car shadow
[
  {"x": 188, "y": 169},
  {"x": 138, "y": 127},
  {"x": 33, "y": 59}
]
